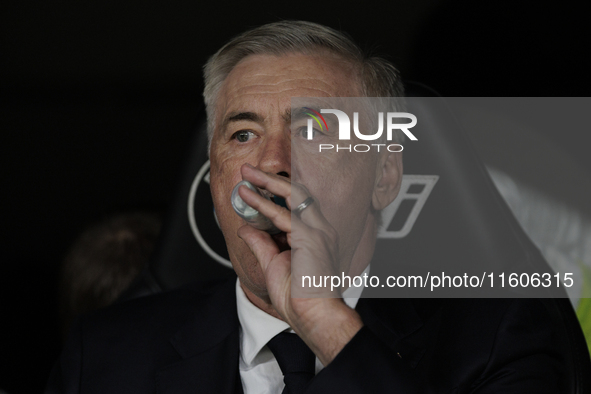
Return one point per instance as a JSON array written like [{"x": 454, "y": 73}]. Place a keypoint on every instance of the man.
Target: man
[{"x": 239, "y": 336}]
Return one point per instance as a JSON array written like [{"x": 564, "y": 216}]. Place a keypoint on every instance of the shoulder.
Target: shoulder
[
  {"x": 157, "y": 314},
  {"x": 485, "y": 320},
  {"x": 482, "y": 310},
  {"x": 486, "y": 339},
  {"x": 121, "y": 347}
]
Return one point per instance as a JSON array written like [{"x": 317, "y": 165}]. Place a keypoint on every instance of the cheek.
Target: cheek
[
  {"x": 223, "y": 177},
  {"x": 343, "y": 186},
  {"x": 343, "y": 176}
]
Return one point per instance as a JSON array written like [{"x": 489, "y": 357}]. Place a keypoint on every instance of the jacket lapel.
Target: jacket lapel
[
  {"x": 208, "y": 343},
  {"x": 208, "y": 346},
  {"x": 397, "y": 323}
]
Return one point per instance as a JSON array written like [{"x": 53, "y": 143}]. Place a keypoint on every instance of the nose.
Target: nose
[{"x": 275, "y": 155}]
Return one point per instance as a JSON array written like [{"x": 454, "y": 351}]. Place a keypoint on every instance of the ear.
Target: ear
[{"x": 388, "y": 179}]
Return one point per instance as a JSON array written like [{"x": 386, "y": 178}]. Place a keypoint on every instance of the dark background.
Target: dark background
[{"x": 99, "y": 98}]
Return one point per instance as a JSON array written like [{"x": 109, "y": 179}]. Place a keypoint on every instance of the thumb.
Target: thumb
[{"x": 260, "y": 243}]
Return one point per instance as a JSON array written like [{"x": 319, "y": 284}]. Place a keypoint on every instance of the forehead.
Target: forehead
[{"x": 267, "y": 81}]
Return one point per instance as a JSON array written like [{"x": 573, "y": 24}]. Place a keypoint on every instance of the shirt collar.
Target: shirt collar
[
  {"x": 258, "y": 327},
  {"x": 352, "y": 294}
]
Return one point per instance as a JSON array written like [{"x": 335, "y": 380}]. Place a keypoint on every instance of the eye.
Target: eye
[
  {"x": 243, "y": 135},
  {"x": 303, "y": 132}
]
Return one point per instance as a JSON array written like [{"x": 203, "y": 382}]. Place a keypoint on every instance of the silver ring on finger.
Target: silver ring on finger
[{"x": 307, "y": 202}]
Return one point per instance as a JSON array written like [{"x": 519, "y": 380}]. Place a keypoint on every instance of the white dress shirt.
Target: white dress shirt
[{"x": 259, "y": 371}]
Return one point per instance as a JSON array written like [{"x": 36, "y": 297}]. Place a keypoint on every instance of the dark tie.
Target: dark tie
[{"x": 296, "y": 360}]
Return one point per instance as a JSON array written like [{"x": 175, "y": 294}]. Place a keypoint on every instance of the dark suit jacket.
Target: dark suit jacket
[{"x": 187, "y": 341}]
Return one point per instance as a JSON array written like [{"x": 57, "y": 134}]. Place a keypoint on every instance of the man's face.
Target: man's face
[{"x": 253, "y": 126}]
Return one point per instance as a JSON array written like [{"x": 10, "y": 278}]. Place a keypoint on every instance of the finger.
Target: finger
[
  {"x": 311, "y": 214},
  {"x": 276, "y": 184},
  {"x": 260, "y": 243},
  {"x": 293, "y": 193},
  {"x": 277, "y": 214},
  {"x": 283, "y": 220},
  {"x": 276, "y": 266}
]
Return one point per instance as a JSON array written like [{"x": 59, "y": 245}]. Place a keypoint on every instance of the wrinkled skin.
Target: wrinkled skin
[{"x": 253, "y": 140}]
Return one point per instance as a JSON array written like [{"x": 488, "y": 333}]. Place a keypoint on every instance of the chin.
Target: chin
[
  {"x": 259, "y": 290},
  {"x": 251, "y": 277},
  {"x": 257, "y": 286}
]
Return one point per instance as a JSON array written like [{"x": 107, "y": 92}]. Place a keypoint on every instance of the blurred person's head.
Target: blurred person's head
[
  {"x": 103, "y": 261},
  {"x": 249, "y": 84}
]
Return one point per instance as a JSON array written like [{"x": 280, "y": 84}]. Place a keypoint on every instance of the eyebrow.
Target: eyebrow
[
  {"x": 238, "y": 116},
  {"x": 253, "y": 117},
  {"x": 287, "y": 115},
  {"x": 302, "y": 112}
]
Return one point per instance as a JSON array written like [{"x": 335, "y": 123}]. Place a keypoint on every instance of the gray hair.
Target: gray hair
[{"x": 378, "y": 77}]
